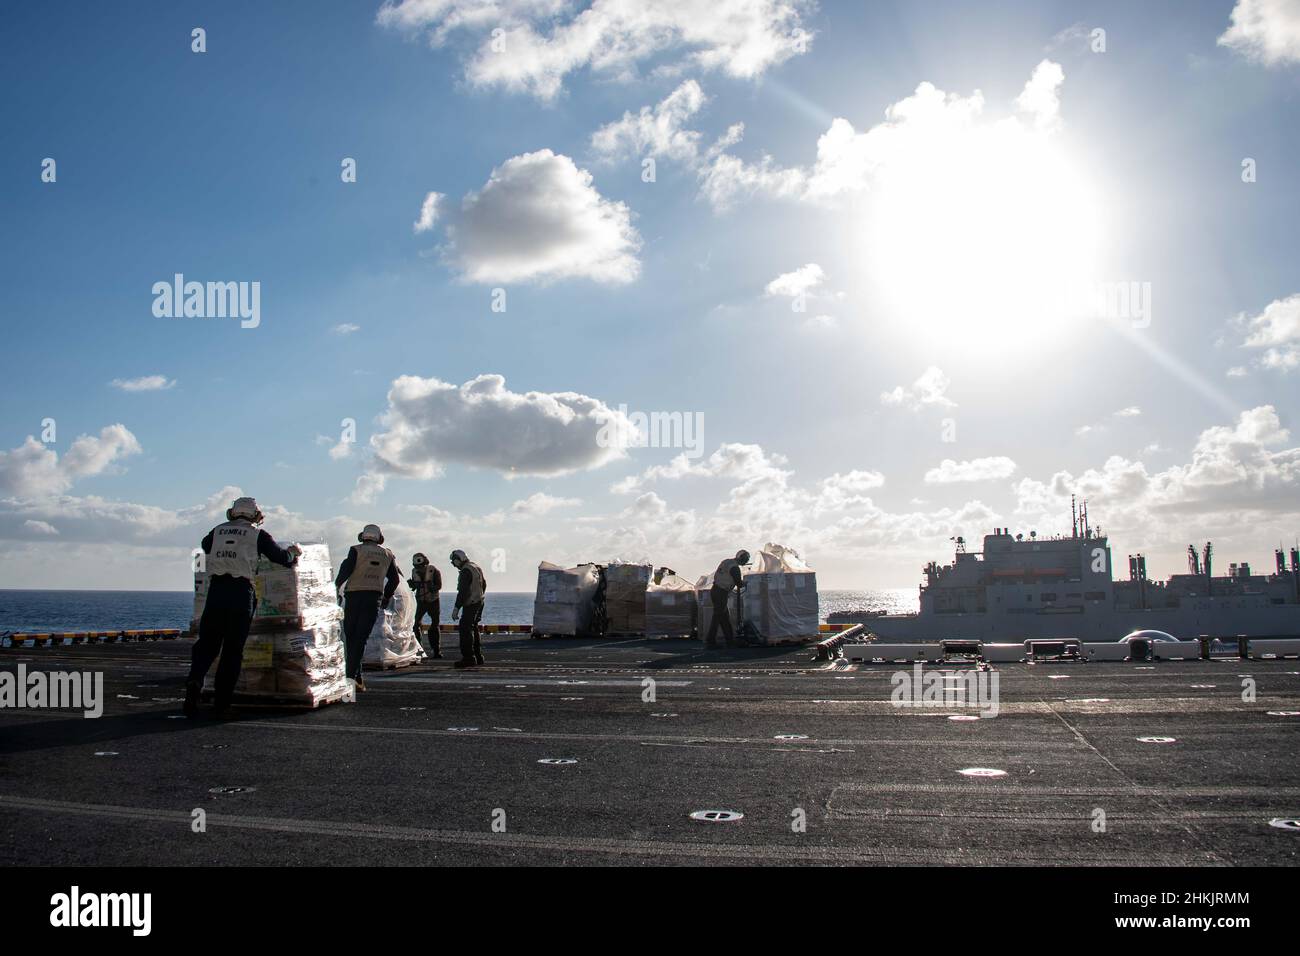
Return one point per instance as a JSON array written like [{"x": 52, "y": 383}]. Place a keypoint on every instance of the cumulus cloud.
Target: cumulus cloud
[
  {"x": 346, "y": 328},
  {"x": 930, "y": 389},
  {"x": 1276, "y": 332},
  {"x": 34, "y": 469},
  {"x": 657, "y": 131},
  {"x": 542, "y": 41},
  {"x": 430, "y": 423},
  {"x": 146, "y": 383},
  {"x": 40, "y": 527},
  {"x": 731, "y": 460},
  {"x": 1239, "y": 475},
  {"x": 1041, "y": 97},
  {"x": 797, "y": 283},
  {"x": 539, "y": 218},
  {"x": 428, "y": 212},
  {"x": 1266, "y": 31},
  {"x": 977, "y": 469}
]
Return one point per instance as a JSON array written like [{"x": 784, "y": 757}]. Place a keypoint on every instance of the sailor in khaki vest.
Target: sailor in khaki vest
[
  {"x": 426, "y": 582},
  {"x": 231, "y": 551},
  {"x": 368, "y": 576},
  {"x": 724, "y": 579},
  {"x": 470, "y": 588}
]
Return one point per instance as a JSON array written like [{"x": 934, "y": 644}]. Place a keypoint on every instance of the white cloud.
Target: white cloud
[
  {"x": 1041, "y": 97},
  {"x": 731, "y": 460},
  {"x": 540, "y": 503},
  {"x": 1132, "y": 411},
  {"x": 147, "y": 383},
  {"x": 797, "y": 283},
  {"x": 428, "y": 212},
  {"x": 1266, "y": 31},
  {"x": 929, "y": 389},
  {"x": 539, "y": 218},
  {"x": 657, "y": 131},
  {"x": 40, "y": 527},
  {"x": 35, "y": 470},
  {"x": 1276, "y": 331},
  {"x": 346, "y": 328},
  {"x": 977, "y": 469},
  {"x": 545, "y": 40},
  {"x": 430, "y": 423},
  {"x": 1238, "y": 476}
]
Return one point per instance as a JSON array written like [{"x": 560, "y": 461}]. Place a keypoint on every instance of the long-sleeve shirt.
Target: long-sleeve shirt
[{"x": 391, "y": 580}]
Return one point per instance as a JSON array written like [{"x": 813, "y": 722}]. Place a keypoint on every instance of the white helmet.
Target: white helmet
[
  {"x": 244, "y": 508},
  {"x": 371, "y": 532}
]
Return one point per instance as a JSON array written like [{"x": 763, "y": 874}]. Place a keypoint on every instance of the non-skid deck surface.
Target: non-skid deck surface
[{"x": 430, "y": 758}]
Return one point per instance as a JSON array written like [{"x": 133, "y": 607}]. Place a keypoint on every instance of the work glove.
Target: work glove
[
  {"x": 340, "y": 597},
  {"x": 455, "y": 614}
]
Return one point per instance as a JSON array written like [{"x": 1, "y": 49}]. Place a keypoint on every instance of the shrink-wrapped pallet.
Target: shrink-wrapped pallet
[
  {"x": 670, "y": 607},
  {"x": 780, "y": 601},
  {"x": 625, "y": 597},
  {"x": 392, "y": 640},
  {"x": 294, "y": 652},
  {"x": 563, "y": 604}
]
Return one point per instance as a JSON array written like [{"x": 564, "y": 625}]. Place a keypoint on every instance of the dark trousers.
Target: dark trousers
[
  {"x": 360, "y": 609},
  {"x": 721, "y": 616},
  {"x": 471, "y": 648},
  {"x": 223, "y": 630},
  {"x": 434, "y": 610}
]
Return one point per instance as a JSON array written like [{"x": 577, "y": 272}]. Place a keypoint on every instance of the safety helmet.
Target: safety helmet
[
  {"x": 742, "y": 556},
  {"x": 371, "y": 532},
  {"x": 244, "y": 508},
  {"x": 458, "y": 556},
  {"x": 419, "y": 559}
]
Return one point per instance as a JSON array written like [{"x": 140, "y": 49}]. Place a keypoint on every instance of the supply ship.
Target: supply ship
[{"x": 1028, "y": 588}]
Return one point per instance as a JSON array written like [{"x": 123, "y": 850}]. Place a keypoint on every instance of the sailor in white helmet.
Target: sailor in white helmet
[
  {"x": 368, "y": 576},
  {"x": 470, "y": 588},
  {"x": 725, "y": 579},
  {"x": 231, "y": 551}
]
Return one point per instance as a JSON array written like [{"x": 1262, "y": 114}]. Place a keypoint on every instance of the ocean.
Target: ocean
[{"x": 37, "y": 611}]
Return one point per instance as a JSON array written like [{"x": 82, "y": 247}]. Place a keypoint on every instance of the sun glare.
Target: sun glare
[{"x": 982, "y": 240}]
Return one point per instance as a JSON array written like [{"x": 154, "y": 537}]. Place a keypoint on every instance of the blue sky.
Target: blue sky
[{"x": 972, "y": 156}]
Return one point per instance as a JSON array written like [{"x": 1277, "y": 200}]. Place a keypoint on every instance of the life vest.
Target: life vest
[
  {"x": 477, "y": 584},
  {"x": 722, "y": 577},
  {"x": 234, "y": 549},
  {"x": 423, "y": 578},
  {"x": 371, "y": 569}
]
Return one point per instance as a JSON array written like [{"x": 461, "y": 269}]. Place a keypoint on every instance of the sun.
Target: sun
[{"x": 980, "y": 238}]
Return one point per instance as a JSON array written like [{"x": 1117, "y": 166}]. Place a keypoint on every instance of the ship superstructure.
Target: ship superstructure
[{"x": 1029, "y": 587}]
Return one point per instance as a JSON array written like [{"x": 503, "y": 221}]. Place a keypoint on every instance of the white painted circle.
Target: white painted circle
[
  {"x": 1059, "y": 676},
  {"x": 1091, "y": 700},
  {"x": 1157, "y": 740},
  {"x": 1284, "y": 713},
  {"x": 717, "y": 816},
  {"x": 105, "y": 753},
  {"x": 231, "y": 790},
  {"x": 463, "y": 730},
  {"x": 1285, "y": 823},
  {"x": 790, "y": 737},
  {"x": 516, "y": 686},
  {"x": 411, "y": 708},
  {"x": 1203, "y": 686},
  {"x": 570, "y": 698},
  {"x": 558, "y": 761},
  {"x": 663, "y": 715},
  {"x": 982, "y": 772},
  {"x": 963, "y": 717}
]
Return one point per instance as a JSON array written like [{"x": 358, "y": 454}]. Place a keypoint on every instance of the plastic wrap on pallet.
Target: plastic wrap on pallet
[
  {"x": 302, "y": 666},
  {"x": 296, "y": 598},
  {"x": 392, "y": 640},
  {"x": 671, "y": 607},
  {"x": 781, "y": 597},
  {"x": 563, "y": 601},
  {"x": 625, "y": 597}
]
